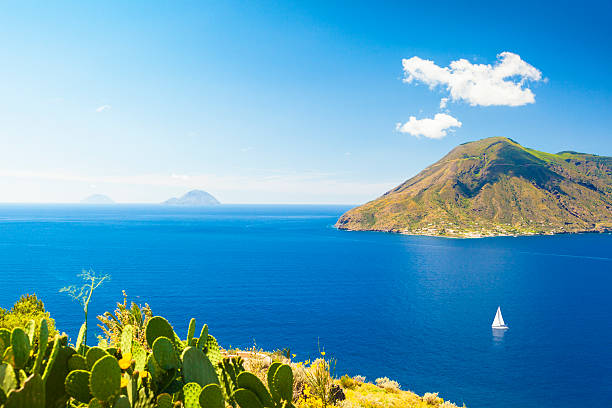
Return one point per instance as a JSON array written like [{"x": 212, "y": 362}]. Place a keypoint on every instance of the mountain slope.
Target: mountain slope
[
  {"x": 495, "y": 186},
  {"x": 194, "y": 198}
]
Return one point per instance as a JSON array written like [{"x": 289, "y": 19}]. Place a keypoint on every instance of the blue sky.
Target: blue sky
[{"x": 275, "y": 102}]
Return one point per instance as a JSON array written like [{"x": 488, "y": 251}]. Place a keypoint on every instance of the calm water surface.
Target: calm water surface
[{"x": 415, "y": 309}]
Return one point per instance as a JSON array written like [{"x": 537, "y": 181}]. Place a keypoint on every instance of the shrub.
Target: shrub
[
  {"x": 27, "y": 308},
  {"x": 431, "y": 398},
  {"x": 112, "y": 324},
  {"x": 348, "y": 382},
  {"x": 387, "y": 384},
  {"x": 319, "y": 380},
  {"x": 359, "y": 378}
]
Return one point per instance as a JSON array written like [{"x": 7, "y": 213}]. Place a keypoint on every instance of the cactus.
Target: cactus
[
  {"x": 191, "y": 391},
  {"x": 77, "y": 385},
  {"x": 94, "y": 403},
  {"x": 139, "y": 355},
  {"x": 56, "y": 372},
  {"x": 20, "y": 347},
  {"x": 190, "y": 331},
  {"x": 212, "y": 350},
  {"x": 164, "y": 353},
  {"x": 197, "y": 368},
  {"x": 201, "y": 343},
  {"x": 81, "y": 340},
  {"x": 283, "y": 382},
  {"x": 247, "y": 399},
  {"x": 122, "y": 402},
  {"x": 8, "y": 382},
  {"x": 127, "y": 338},
  {"x": 5, "y": 340},
  {"x": 31, "y": 395},
  {"x": 30, "y": 330},
  {"x": 164, "y": 401},
  {"x": 230, "y": 369},
  {"x": 77, "y": 362},
  {"x": 93, "y": 355},
  {"x": 158, "y": 327},
  {"x": 43, "y": 340},
  {"x": 105, "y": 380},
  {"x": 270, "y": 377},
  {"x": 250, "y": 382},
  {"x": 211, "y": 396}
]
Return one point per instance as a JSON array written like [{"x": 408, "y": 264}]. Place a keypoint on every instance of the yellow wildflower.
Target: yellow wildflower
[{"x": 124, "y": 382}]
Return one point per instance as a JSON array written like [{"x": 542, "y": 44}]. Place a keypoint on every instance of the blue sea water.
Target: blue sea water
[{"x": 415, "y": 309}]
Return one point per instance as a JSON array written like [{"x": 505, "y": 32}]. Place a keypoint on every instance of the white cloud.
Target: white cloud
[
  {"x": 435, "y": 128},
  {"x": 502, "y": 84},
  {"x": 103, "y": 108},
  {"x": 443, "y": 103},
  {"x": 180, "y": 176}
]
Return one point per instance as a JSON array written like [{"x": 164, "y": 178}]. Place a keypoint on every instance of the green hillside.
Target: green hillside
[{"x": 495, "y": 186}]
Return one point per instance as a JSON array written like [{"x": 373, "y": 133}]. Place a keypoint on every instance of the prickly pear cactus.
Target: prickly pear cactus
[
  {"x": 77, "y": 385},
  {"x": 247, "y": 398},
  {"x": 77, "y": 362},
  {"x": 31, "y": 395},
  {"x": 105, "y": 380},
  {"x": 164, "y": 401},
  {"x": 212, "y": 351},
  {"x": 283, "y": 382},
  {"x": 201, "y": 343},
  {"x": 5, "y": 340},
  {"x": 211, "y": 396},
  {"x": 190, "y": 331},
  {"x": 192, "y": 395},
  {"x": 20, "y": 347},
  {"x": 139, "y": 355},
  {"x": 43, "y": 339},
  {"x": 93, "y": 355},
  {"x": 122, "y": 402},
  {"x": 197, "y": 368},
  {"x": 127, "y": 338},
  {"x": 270, "y": 376},
  {"x": 158, "y": 327},
  {"x": 164, "y": 353},
  {"x": 251, "y": 382},
  {"x": 8, "y": 381}
]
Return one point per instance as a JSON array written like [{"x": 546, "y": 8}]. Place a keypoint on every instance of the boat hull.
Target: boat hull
[{"x": 500, "y": 327}]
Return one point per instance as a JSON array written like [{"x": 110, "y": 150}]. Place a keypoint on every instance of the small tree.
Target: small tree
[{"x": 82, "y": 294}]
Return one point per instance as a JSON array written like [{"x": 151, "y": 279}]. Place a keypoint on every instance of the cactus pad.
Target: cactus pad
[
  {"x": 105, "y": 380},
  {"x": 164, "y": 401},
  {"x": 251, "y": 382},
  {"x": 270, "y": 376},
  {"x": 247, "y": 398},
  {"x": 158, "y": 327},
  {"x": 211, "y": 396},
  {"x": 163, "y": 351},
  {"x": 77, "y": 362},
  {"x": 122, "y": 402},
  {"x": 31, "y": 395},
  {"x": 212, "y": 351},
  {"x": 127, "y": 337},
  {"x": 93, "y": 355},
  {"x": 283, "y": 382},
  {"x": 201, "y": 343},
  {"x": 192, "y": 395},
  {"x": 190, "y": 331},
  {"x": 197, "y": 368},
  {"x": 8, "y": 382},
  {"x": 77, "y": 385},
  {"x": 20, "y": 345}
]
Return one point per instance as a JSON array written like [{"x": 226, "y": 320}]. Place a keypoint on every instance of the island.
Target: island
[
  {"x": 97, "y": 199},
  {"x": 194, "y": 198},
  {"x": 495, "y": 187}
]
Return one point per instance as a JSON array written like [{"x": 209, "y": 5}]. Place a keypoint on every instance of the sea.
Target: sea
[{"x": 415, "y": 309}]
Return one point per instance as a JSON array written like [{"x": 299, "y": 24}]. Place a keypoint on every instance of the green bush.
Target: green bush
[{"x": 27, "y": 308}]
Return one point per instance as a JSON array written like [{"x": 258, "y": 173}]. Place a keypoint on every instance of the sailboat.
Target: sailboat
[{"x": 498, "y": 321}]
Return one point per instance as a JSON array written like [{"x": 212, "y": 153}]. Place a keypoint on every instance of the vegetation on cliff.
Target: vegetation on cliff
[
  {"x": 141, "y": 362},
  {"x": 495, "y": 186}
]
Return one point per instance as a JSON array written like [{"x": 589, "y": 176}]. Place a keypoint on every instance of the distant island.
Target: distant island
[
  {"x": 495, "y": 187},
  {"x": 194, "y": 198},
  {"x": 97, "y": 199}
]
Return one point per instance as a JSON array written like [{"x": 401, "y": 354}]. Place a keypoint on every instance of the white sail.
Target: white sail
[{"x": 498, "y": 321}]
